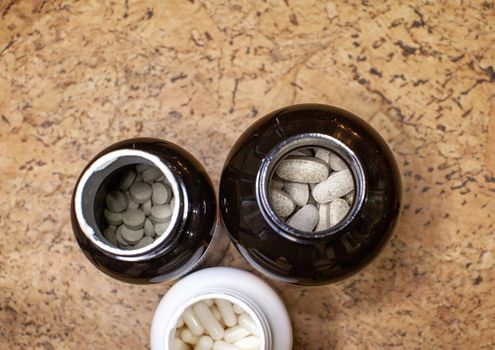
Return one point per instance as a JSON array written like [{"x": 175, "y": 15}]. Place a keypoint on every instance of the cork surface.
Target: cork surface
[{"x": 78, "y": 76}]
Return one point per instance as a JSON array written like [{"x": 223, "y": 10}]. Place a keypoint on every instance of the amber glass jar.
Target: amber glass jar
[
  {"x": 193, "y": 238},
  {"x": 285, "y": 253}
]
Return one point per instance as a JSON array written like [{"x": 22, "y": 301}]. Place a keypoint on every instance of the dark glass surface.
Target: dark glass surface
[
  {"x": 306, "y": 261},
  {"x": 179, "y": 255}
]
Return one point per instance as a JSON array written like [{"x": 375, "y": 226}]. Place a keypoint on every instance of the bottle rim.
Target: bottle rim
[
  {"x": 240, "y": 299},
  {"x": 95, "y": 175},
  {"x": 283, "y": 149}
]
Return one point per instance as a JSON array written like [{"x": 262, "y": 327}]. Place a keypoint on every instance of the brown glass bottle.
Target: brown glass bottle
[
  {"x": 193, "y": 238},
  {"x": 309, "y": 258}
]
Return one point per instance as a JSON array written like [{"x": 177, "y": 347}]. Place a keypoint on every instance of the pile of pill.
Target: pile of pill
[
  {"x": 312, "y": 189},
  {"x": 139, "y": 208},
  {"x": 216, "y": 324}
]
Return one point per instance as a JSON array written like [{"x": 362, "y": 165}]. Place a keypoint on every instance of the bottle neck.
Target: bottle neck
[
  {"x": 283, "y": 149},
  {"x": 249, "y": 306},
  {"x": 94, "y": 184}
]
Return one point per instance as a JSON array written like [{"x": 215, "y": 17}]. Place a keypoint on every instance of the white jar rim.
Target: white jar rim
[
  {"x": 241, "y": 300},
  {"x": 92, "y": 178},
  {"x": 250, "y": 292}
]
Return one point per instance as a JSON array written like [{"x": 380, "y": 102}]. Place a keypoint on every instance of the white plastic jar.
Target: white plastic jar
[{"x": 242, "y": 288}]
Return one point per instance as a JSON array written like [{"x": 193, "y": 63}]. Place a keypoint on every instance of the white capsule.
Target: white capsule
[
  {"x": 140, "y": 192},
  {"x": 180, "y": 345},
  {"x": 228, "y": 315},
  {"x": 161, "y": 193},
  {"x": 187, "y": 336},
  {"x": 192, "y": 322},
  {"x": 180, "y": 322},
  {"x": 161, "y": 213},
  {"x": 335, "y": 186},
  {"x": 338, "y": 210},
  {"x": 298, "y": 192},
  {"x": 204, "y": 343},
  {"x": 247, "y": 322},
  {"x": 116, "y": 201},
  {"x": 305, "y": 219},
  {"x": 213, "y": 328},
  {"x": 237, "y": 309},
  {"x": 251, "y": 342},
  {"x": 235, "y": 333},
  {"x": 134, "y": 219},
  {"x": 281, "y": 203},
  {"x": 127, "y": 180},
  {"x": 208, "y": 302},
  {"x": 221, "y": 345},
  {"x": 113, "y": 218},
  {"x": 302, "y": 169},
  {"x": 336, "y": 163},
  {"x": 217, "y": 314}
]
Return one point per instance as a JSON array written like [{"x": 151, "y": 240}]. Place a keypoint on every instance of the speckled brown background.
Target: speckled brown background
[{"x": 76, "y": 76}]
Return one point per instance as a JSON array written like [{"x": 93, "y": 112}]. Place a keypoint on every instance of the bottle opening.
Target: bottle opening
[
  {"x": 310, "y": 186},
  {"x": 128, "y": 202},
  {"x": 217, "y": 320}
]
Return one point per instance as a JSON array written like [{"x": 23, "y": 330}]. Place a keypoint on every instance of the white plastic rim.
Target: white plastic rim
[
  {"x": 228, "y": 283},
  {"x": 264, "y": 333}
]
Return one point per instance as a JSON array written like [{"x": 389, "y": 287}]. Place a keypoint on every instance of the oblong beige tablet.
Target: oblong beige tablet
[
  {"x": 336, "y": 185},
  {"x": 336, "y": 163},
  {"x": 281, "y": 203},
  {"x": 302, "y": 169},
  {"x": 323, "y": 217},
  {"x": 305, "y": 219},
  {"x": 299, "y": 192}
]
